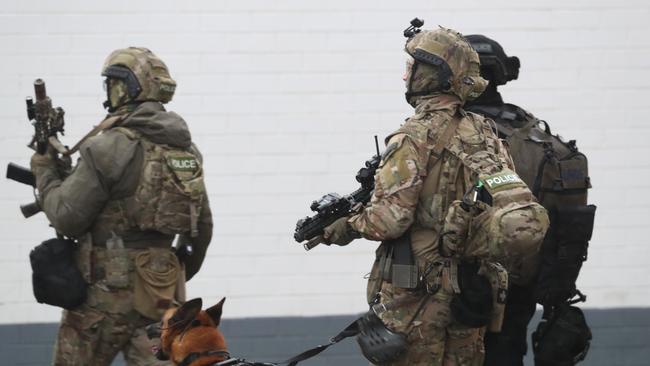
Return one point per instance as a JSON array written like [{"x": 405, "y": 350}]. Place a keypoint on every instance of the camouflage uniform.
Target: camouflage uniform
[
  {"x": 413, "y": 191},
  {"x": 114, "y": 203}
]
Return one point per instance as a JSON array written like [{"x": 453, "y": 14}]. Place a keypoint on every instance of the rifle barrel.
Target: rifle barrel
[{"x": 39, "y": 89}]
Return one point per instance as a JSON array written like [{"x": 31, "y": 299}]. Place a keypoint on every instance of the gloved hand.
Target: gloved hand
[
  {"x": 40, "y": 161},
  {"x": 339, "y": 232}
]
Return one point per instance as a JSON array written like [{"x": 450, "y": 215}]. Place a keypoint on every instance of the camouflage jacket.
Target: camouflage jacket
[
  {"x": 109, "y": 169},
  {"x": 413, "y": 187}
]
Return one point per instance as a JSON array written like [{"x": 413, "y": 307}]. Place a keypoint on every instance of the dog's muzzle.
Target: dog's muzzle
[{"x": 153, "y": 330}]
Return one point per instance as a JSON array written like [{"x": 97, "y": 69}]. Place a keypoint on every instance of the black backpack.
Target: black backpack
[
  {"x": 56, "y": 280},
  {"x": 557, "y": 174}
]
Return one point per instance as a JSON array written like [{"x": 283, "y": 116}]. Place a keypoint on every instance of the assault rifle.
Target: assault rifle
[
  {"x": 48, "y": 123},
  {"x": 332, "y": 206}
]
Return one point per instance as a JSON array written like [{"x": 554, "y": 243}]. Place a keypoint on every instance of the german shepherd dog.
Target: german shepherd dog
[{"x": 190, "y": 336}]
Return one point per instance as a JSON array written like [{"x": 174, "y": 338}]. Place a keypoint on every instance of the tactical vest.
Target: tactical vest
[
  {"x": 558, "y": 176},
  {"x": 448, "y": 144},
  {"x": 169, "y": 195}
]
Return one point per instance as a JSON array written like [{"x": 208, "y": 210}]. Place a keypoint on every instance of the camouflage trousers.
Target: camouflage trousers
[
  {"x": 434, "y": 338},
  {"x": 89, "y": 337},
  {"x": 107, "y": 322}
]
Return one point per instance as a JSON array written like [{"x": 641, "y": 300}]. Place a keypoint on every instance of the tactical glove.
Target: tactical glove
[
  {"x": 40, "y": 161},
  {"x": 339, "y": 232}
]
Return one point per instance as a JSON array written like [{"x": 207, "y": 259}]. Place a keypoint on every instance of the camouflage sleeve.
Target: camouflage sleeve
[
  {"x": 398, "y": 182},
  {"x": 72, "y": 204}
]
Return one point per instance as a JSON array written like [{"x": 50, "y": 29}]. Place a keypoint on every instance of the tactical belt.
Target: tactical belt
[{"x": 143, "y": 244}]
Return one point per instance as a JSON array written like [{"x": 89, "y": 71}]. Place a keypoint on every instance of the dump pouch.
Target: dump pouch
[
  {"x": 155, "y": 283},
  {"x": 563, "y": 252},
  {"x": 56, "y": 280}
]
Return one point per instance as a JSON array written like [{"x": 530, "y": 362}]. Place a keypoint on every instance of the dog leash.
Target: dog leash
[{"x": 350, "y": 331}]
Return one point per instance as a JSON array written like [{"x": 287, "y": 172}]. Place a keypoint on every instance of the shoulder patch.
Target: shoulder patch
[
  {"x": 399, "y": 169},
  {"x": 183, "y": 163},
  {"x": 502, "y": 180},
  {"x": 394, "y": 142}
]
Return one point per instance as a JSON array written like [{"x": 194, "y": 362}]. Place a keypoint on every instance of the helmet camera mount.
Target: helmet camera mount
[{"x": 414, "y": 28}]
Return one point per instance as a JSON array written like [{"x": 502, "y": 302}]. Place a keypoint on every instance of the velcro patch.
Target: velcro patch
[
  {"x": 501, "y": 180},
  {"x": 184, "y": 164}
]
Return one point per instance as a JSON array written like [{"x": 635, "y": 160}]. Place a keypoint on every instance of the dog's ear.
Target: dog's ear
[
  {"x": 187, "y": 312},
  {"x": 215, "y": 311}
]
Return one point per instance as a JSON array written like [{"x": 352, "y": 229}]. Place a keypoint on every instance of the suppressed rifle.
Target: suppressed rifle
[
  {"x": 48, "y": 124},
  {"x": 332, "y": 206}
]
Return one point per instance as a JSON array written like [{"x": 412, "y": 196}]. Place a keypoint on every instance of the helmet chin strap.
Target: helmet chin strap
[{"x": 411, "y": 94}]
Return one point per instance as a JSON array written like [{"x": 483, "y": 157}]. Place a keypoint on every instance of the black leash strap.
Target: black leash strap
[{"x": 349, "y": 331}]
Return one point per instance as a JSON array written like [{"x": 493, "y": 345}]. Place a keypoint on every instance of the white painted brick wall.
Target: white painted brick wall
[{"x": 283, "y": 97}]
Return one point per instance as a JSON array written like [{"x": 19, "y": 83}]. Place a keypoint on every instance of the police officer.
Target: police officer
[
  {"x": 537, "y": 155},
  {"x": 136, "y": 186},
  {"x": 418, "y": 179}
]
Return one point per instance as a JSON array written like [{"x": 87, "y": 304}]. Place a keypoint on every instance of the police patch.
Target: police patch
[
  {"x": 501, "y": 180},
  {"x": 184, "y": 164}
]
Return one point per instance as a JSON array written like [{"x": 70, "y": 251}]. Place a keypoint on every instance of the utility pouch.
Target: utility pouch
[
  {"x": 404, "y": 269},
  {"x": 405, "y": 276},
  {"x": 117, "y": 263},
  {"x": 455, "y": 229},
  {"x": 563, "y": 252},
  {"x": 155, "y": 281}
]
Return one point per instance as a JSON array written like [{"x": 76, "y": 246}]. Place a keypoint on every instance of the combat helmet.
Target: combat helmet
[
  {"x": 444, "y": 62},
  {"x": 145, "y": 76},
  {"x": 496, "y": 66}
]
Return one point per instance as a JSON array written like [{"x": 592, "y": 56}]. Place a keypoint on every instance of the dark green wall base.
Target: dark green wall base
[{"x": 621, "y": 337}]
